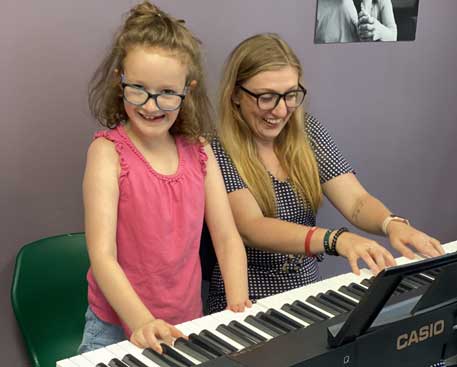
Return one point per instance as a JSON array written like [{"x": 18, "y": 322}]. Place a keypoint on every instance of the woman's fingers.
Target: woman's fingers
[
  {"x": 402, "y": 249},
  {"x": 353, "y": 264}
]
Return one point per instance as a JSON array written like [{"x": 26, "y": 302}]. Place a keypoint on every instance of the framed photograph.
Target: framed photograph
[{"x": 341, "y": 21}]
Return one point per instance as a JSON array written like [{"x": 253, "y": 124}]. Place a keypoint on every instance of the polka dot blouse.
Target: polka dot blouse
[{"x": 269, "y": 272}]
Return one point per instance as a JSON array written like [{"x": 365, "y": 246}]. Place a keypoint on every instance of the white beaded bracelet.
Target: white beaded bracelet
[{"x": 390, "y": 218}]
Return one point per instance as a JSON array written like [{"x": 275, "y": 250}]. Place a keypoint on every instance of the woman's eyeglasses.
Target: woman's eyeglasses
[{"x": 269, "y": 101}]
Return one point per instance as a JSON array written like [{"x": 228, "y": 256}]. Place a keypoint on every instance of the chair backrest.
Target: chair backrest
[{"x": 49, "y": 296}]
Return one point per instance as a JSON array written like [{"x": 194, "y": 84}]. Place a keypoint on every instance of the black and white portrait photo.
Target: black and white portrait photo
[{"x": 341, "y": 21}]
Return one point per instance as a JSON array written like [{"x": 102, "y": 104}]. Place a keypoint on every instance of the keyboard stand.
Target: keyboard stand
[{"x": 418, "y": 329}]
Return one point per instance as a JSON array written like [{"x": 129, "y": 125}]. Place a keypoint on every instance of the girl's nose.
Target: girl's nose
[{"x": 150, "y": 105}]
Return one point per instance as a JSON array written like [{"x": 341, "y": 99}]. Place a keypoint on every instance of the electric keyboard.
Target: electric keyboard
[{"x": 295, "y": 316}]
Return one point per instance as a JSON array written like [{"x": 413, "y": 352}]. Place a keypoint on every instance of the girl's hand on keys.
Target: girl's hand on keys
[
  {"x": 239, "y": 307},
  {"x": 149, "y": 334}
]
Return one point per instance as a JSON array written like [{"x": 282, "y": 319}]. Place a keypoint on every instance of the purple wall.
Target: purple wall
[{"x": 391, "y": 108}]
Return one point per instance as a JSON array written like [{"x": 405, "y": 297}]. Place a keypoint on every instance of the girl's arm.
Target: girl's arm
[
  {"x": 229, "y": 248},
  {"x": 101, "y": 195},
  {"x": 366, "y": 212},
  {"x": 276, "y": 235}
]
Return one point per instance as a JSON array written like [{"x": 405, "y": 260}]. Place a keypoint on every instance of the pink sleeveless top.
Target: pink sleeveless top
[{"x": 160, "y": 219}]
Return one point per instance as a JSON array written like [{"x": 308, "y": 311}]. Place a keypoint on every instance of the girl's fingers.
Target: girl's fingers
[{"x": 176, "y": 333}]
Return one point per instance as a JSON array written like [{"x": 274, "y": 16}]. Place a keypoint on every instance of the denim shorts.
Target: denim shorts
[{"x": 98, "y": 333}]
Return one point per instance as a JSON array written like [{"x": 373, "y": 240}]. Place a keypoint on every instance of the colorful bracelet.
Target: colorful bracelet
[
  {"x": 326, "y": 241},
  {"x": 335, "y": 239},
  {"x": 308, "y": 241}
]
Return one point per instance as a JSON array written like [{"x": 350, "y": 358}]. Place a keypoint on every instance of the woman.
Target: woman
[{"x": 277, "y": 163}]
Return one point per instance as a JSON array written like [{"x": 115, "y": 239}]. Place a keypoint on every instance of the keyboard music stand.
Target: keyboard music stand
[{"x": 419, "y": 328}]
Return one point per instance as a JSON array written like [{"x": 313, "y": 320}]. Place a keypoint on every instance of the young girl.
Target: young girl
[{"x": 149, "y": 182}]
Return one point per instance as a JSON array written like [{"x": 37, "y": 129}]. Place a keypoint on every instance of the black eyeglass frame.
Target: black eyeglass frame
[
  {"x": 278, "y": 95},
  {"x": 154, "y": 96}
]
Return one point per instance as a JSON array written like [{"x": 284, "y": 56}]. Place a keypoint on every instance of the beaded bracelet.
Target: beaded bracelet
[
  {"x": 326, "y": 241},
  {"x": 335, "y": 239}
]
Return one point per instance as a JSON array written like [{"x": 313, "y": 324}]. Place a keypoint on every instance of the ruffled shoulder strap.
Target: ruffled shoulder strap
[
  {"x": 115, "y": 137},
  {"x": 202, "y": 157}
]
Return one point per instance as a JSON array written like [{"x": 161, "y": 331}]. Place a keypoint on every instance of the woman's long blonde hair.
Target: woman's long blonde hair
[
  {"x": 148, "y": 26},
  {"x": 266, "y": 52}
]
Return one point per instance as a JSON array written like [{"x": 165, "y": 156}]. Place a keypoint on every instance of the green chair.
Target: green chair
[{"x": 49, "y": 296}]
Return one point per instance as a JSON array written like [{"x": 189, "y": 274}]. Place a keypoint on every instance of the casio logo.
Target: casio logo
[{"x": 423, "y": 333}]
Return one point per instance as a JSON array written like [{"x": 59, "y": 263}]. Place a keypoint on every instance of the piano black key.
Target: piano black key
[
  {"x": 132, "y": 361},
  {"x": 413, "y": 282},
  {"x": 275, "y": 322},
  {"x": 202, "y": 343},
  {"x": 101, "y": 365},
  {"x": 311, "y": 310},
  {"x": 161, "y": 359},
  {"x": 342, "y": 299},
  {"x": 358, "y": 288},
  {"x": 297, "y": 312},
  {"x": 366, "y": 282},
  {"x": 422, "y": 278},
  {"x": 349, "y": 292},
  {"x": 116, "y": 363},
  {"x": 219, "y": 341},
  {"x": 433, "y": 273},
  {"x": 334, "y": 302},
  {"x": 169, "y": 351},
  {"x": 184, "y": 346},
  {"x": 236, "y": 335},
  {"x": 284, "y": 318},
  {"x": 401, "y": 289},
  {"x": 406, "y": 286},
  {"x": 257, "y": 337},
  {"x": 322, "y": 305},
  {"x": 264, "y": 326},
  {"x": 220, "y": 348}
]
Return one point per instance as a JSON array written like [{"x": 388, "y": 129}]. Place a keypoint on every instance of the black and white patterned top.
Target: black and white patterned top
[{"x": 268, "y": 272}]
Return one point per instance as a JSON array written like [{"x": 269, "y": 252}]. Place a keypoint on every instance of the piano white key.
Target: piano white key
[
  {"x": 80, "y": 361},
  {"x": 66, "y": 363},
  {"x": 226, "y": 316},
  {"x": 99, "y": 355},
  {"x": 189, "y": 327},
  {"x": 450, "y": 247}
]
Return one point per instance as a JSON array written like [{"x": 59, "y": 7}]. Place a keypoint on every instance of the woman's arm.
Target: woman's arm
[
  {"x": 276, "y": 235},
  {"x": 101, "y": 195},
  {"x": 229, "y": 248},
  {"x": 366, "y": 212}
]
